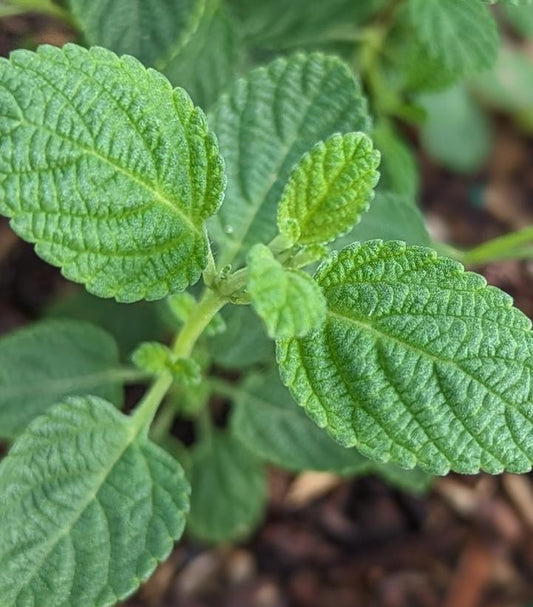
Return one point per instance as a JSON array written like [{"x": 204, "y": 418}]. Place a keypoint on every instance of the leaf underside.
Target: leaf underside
[
  {"x": 105, "y": 167},
  {"x": 419, "y": 363},
  {"x": 89, "y": 507}
]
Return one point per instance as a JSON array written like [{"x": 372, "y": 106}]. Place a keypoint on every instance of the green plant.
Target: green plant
[{"x": 413, "y": 365}]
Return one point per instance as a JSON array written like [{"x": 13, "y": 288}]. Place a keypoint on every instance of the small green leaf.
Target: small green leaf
[
  {"x": 89, "y": 507},
  {"x": 419, "y": 363},
  {"x": 112, "y": 175},
  {"x": 47, "y": 361},
  {"x": 186, "y": 371},
  {"x": 289, "y": 301},
  {"x": 264, "y": 125},
  {"x": 152, "y": 30},
  {"x": 461, "y": 35},
  {"x": 329, "y": 189},
  {"x": 152, "y": 357},
  {"x": 229, "y": 490}
]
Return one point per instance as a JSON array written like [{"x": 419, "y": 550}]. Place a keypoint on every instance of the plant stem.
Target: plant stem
[
  {"x": 208, "y": 306},
  {"x": 517, "y": 245},
  {"x": 223, "y": 388}
]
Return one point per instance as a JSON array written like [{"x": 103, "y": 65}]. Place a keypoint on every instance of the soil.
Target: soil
[{"x": 358, "y": 543}]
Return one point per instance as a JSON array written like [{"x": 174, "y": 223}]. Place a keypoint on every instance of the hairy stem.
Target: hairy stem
[{"x": 207, "y": 308}]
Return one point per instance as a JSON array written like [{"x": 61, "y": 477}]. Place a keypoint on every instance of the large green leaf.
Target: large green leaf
[
  {"x": 289, "y": 301},
  {"x": 264, "y": 126},
  {"x": 229, "y": 490},
  {"x": 89, "y": 507},
  {"x": 154, "y": 31},
  {"x": 105, "y": 167},
  {"x": 41, "y": 364},
  {"x": 390, "y": 217},
  {"x": 418, "y": 362},
  {"x": 460, "y": 35},
  {"x": 211, "y": 59},
  {"x": 329, "y": 189}
]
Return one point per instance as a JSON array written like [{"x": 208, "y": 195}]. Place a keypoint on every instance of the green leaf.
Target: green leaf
[
  {"x": 456, "y": 132},
  {"x": 47, "y": 361},
  {"x": 391, "y": 217},
  {"x": 152, "y": 30},
  {"x": 152, "y": 357},
  {"x": 460, "y": 35},
  {"x": 289, "y": 301},
  {"x": 238, "y": 349},
  {"x": 89, "y": 507},
  {"x": 419, "y": 363},
  {"x": 521, "y": 18},
  {"x": 129, "y": 324},
  {"x": 329, "y": 189},
  {"x": 110, "y": 171},
  {"x": 270, "y": 424},
  {"x": 212, "y": 58},
  {"x": 229, "y": 490},
  {"x": 264, "y": 126}
]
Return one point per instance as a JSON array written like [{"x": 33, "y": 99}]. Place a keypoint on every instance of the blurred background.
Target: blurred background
[{"x": 463, "y": 152}]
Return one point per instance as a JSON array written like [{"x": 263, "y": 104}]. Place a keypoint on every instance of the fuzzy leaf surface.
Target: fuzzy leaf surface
[
  {"x": 41, "y": 364},
  {"x": 107, "y": 169},
  {"x": 150, "y": 30},
  {"x": 89, "y": 507},
  {"x": 330, "y": 188},
  {"x": 419, "y": 363},
  {"x": 289, "y": 301},
  {"x": 461, "y": 35},
  {"x": 264, "y": 125},
  {"x": 229, "y": 490}
]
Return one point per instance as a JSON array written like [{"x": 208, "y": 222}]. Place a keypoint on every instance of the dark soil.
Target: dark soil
[{"x": 469, "y": 543}]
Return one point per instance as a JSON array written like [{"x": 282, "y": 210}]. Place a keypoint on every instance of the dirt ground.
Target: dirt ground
[{"x": 357, "y": 543}]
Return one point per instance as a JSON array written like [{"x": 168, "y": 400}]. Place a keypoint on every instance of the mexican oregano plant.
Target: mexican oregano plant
[{"x": 399, "y": 354}]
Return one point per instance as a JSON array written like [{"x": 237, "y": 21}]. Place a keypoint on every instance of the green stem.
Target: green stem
[
  {"x": 46, "y": 7},
  {"x": 223, "y": 388},
  {"x": 517, "y": 245},
  {"x": 163, "y": 422},
  {"x": 208, "y": 306}
]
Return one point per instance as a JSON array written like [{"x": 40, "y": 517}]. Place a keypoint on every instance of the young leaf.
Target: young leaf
[
  {"x": 153, "y": 357},
  {"x": 329, "y": 189},
  {"x": 264, "y": 126},
  {"x": 418, "y": 362},
  {"x": 229, "y": 490},
  {"x": 289, "y": 301},
  {"x": 152, "y": 30},
  {"x": 212, "y": 58},
  {"x": 42, "y": 364},
  {"x": 89, "y": 507},
  {"x": 460, "y": 35},
  {"x": 390, "y": 217},
  {"x": 110, "y": 171}
]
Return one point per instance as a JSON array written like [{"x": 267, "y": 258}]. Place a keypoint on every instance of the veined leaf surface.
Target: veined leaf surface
[
  {"x": 419, "y": 363},
  {"x": 89, "y": 507},
  {"x": 264, "y": 125},
  {"x": 107, "y": 169}
]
